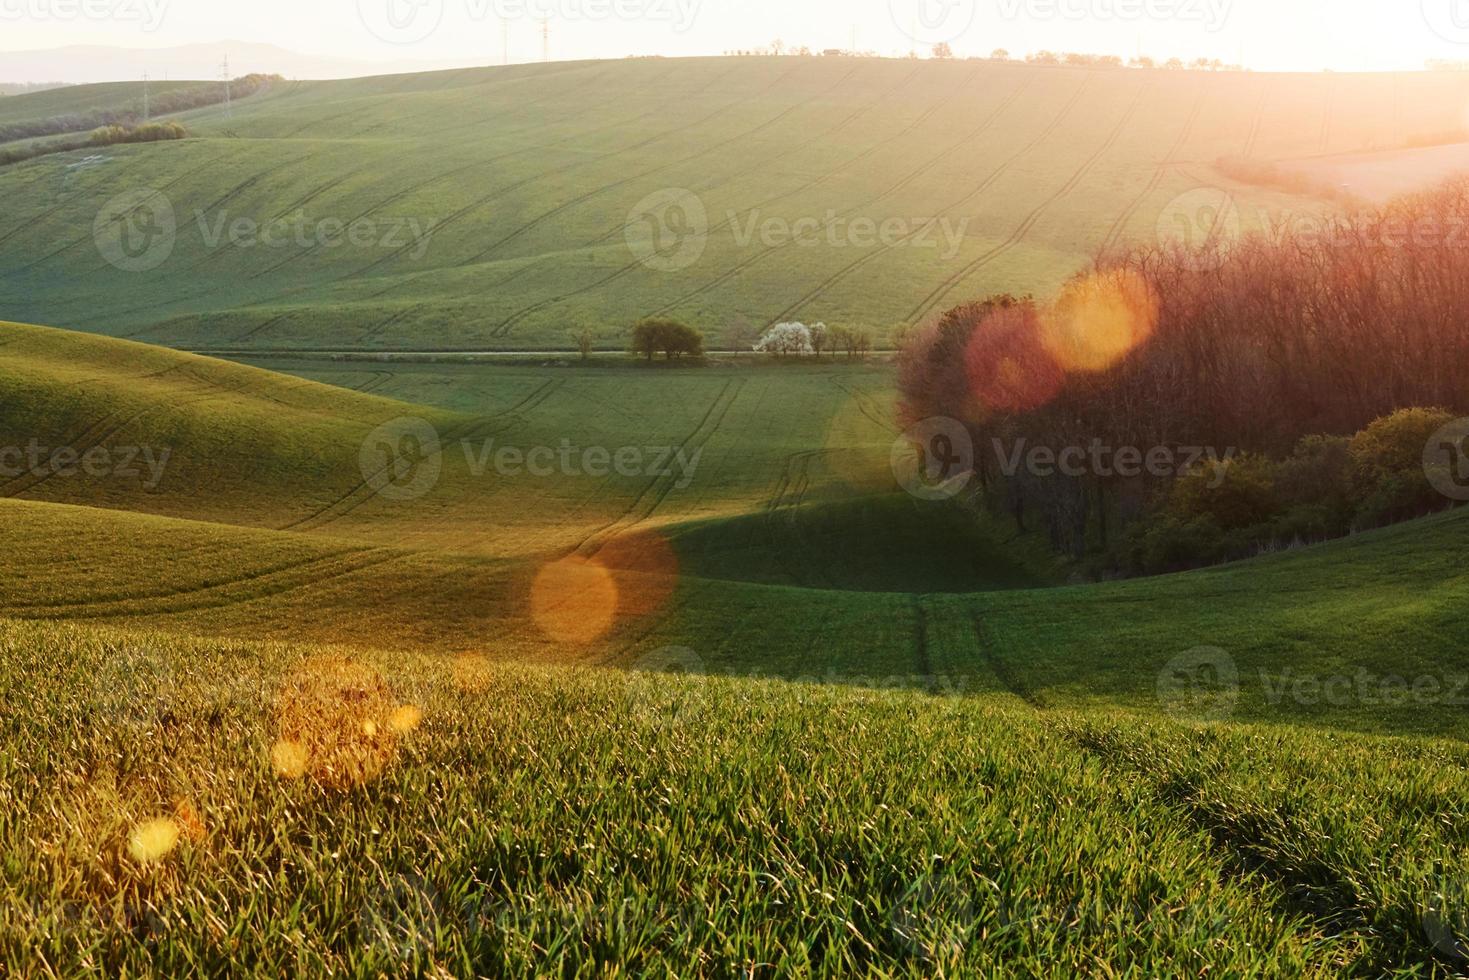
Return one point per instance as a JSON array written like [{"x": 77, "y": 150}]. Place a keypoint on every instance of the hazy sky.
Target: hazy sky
[{"x": 1269, "y": 34}]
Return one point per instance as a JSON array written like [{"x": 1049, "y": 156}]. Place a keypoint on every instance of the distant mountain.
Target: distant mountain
[{"x": 81, "y": 64}]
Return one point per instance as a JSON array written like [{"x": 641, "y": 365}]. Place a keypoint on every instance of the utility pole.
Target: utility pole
[{"x": 229, "y": 109}]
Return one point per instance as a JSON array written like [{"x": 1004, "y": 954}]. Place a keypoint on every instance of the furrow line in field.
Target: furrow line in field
[
  {"x": 1119, "y": 226},
  {"x": 983, "y": 186},
  {"x": 936, "y": 296},
  {"x": 892, "y": 189},
  {"x": 660, "y": 486}
]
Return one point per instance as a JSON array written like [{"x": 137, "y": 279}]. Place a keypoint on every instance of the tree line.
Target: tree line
[{"x": 1322, "y": 354}]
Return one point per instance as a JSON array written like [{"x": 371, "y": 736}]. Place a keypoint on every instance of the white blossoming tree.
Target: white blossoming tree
[{"x": 785, "y": 338}]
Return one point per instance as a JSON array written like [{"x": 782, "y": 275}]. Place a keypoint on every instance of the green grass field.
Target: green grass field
[
  {"x": 610, "y": 669},
  {"x": 498, "y": 208}
]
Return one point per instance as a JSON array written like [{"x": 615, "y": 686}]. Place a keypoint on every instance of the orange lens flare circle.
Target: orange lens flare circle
[
  {"x": 1008, "y": 366},
  {"x": 1099, "y": 319},
  {"x": 574, "y": 601}
]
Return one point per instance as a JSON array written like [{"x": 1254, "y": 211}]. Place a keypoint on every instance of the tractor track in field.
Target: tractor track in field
[
  {"x": 225, "y": 198},
  {"x": 67, "y": 202},
  {"x": 902, "y": 182},
  {"x": 1259, "y": 120},
  {"x": 216, "y": 597},
  {"x": 656, "y": 491},
  {"x": 505, "y": 327},
  {"x": 260, "y": 327},
  {"x": 1328, "y": 115},
  {"x": 790, "y": 495},
  {"x": 474, "y": 165},
  {"x": 363, "y": 491},
  {"x": 313, "y": 194},
  {"x": 1119, "y": 226},
  {"x": 375, "y": 383},
  {"x": 1018, "y": 235},
  {"x": 921, "y": 657},
  {"x": 685, "y": 595},
  {"x": 99, "y": 432},
  {"x": 89, "y": 429},
  {"x": 578, "y": 137},
  {"x": 705, "y": 151},
  {"x": 869, "y": 407},
  {"x": 983, "y": 186},
  {"x": 294, "y": 565},
  {"x": 377, "y": 329},
  {"x": 502, "y": 191},
  {"x": 851, "y": 117},
  {"x": 393, "y": 198},
  {"x": 984, "y": 646}
]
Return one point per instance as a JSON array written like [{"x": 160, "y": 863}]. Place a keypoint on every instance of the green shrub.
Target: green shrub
[
  {"x": 671, "y": 338},
  {"x": 1387, "y": 456}
]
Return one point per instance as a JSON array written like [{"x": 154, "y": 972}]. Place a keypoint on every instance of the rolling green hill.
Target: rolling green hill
[
  {"x": 497, "y": 208},
  {"x": 259, "y": 711},
  {"x": 789, "y": 552}
]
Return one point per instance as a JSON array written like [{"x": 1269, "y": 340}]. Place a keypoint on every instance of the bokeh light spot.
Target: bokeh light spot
[
  {"x": 335, "y": 712},
  {"x": 152, "y": 841},
  {"x": 1008, "y": 367},
  {"x": 405, "y": 719},
  {"x": 574, "y": 601},
  {"x": 1099, "y": 319}
]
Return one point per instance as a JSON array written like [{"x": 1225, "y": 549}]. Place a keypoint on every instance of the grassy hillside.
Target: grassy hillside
[
  {"x": 497, "y": 208},
  {"x": 262, "y": 713},
  {"x": 788, "y": 553},
  {"x": 82, "y": 99},
  {"x": 500, "y": 820}
]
